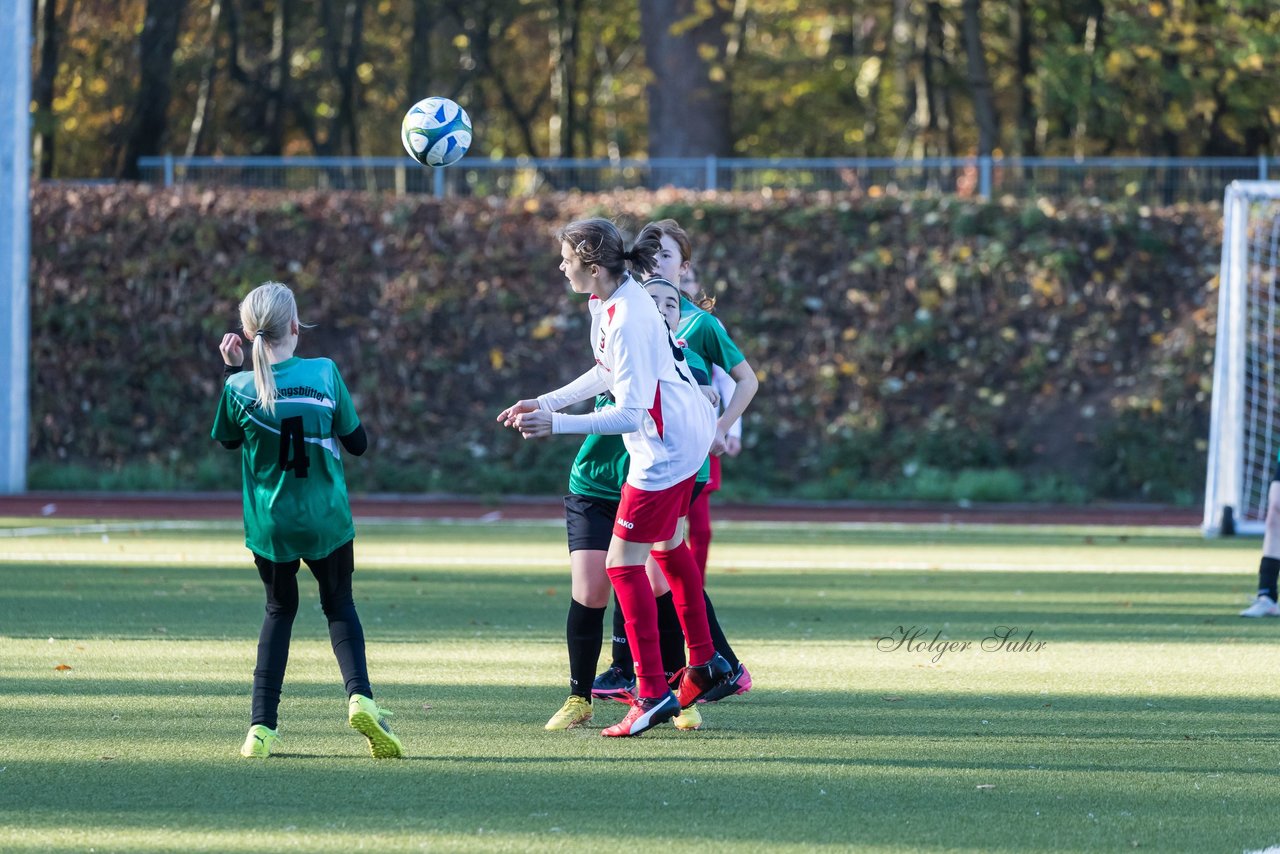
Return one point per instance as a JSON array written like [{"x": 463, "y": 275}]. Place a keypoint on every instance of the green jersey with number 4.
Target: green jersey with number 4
[{"x": 295, "y": 494}]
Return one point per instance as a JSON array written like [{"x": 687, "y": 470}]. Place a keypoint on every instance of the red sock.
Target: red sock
[
  {"x": 699, "y": 536},
  {"x": 686, "y": 589},
  {"x": 641, "y": 613}
]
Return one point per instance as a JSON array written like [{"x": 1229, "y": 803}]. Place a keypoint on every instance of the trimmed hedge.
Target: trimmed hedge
[{"x": 905, "y": 345}]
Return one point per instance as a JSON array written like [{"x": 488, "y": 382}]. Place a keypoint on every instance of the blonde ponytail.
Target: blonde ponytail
[{"x": 266, "y": 315}]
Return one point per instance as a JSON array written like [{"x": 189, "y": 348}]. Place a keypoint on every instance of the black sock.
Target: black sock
[
  {"x": 717, "y": 634},
  {"x": 584, "y": 630},
  {"x": 670, "y": 635},
  {"x": 1267, "y": 572},
  {"x": 621, "y": 652}
]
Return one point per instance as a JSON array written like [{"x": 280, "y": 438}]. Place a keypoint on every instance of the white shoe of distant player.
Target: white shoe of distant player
[{"x": 1263, "y": 606}]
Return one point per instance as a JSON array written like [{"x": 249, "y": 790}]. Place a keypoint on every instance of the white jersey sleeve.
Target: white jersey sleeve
[
  {"x": 631, "y": 352},
  {"x": 583, "y": 388}
]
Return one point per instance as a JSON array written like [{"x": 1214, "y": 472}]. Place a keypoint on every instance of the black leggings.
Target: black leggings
[{"x": 333, "y": 574}]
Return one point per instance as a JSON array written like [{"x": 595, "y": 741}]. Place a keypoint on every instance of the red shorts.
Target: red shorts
[
  {"x": 651, "y": 517},
  {"x": 713, "y": 485}
]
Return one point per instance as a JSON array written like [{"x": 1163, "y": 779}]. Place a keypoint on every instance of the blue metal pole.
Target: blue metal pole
[
  {"x": 984, "y": 176},
  {"x": 15, "y": 241}
]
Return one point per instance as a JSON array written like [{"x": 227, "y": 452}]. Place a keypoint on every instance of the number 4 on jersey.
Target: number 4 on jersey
[{"x": 293, "y": 447}]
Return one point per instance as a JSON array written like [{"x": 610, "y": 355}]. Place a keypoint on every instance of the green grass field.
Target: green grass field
[{"x": 1147, "y": 719}]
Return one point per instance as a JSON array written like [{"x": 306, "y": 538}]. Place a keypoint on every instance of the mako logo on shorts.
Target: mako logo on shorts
[{"x": 630, "y": 526}]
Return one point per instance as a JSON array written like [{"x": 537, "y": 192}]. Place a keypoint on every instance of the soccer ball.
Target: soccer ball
[{"x": 436, "y": 131}]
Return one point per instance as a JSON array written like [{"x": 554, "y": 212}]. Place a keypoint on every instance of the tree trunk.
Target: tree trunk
[
  {"x": 277, "y": 93},
  {"x": 424, "y": 21},
  {"x": 44, "y": 123},
  {"x": 685, "y": 44},
  {"x": 905, "y": 61},
  {"x": 939, "y": 33},
  {"x": 149, "y": 128},
  {"x": 343, "y": 42},
  {"x": 1089, "y": 44},
  {"x": 566, "y": 39},
  {"x": 204, "y": 95},
  {"x": 984, "y": 106},
  {"x": 1025, "y": 136}
]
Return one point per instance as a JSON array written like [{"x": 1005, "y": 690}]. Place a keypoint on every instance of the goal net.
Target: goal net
[{"x": 1244, "y": 433}]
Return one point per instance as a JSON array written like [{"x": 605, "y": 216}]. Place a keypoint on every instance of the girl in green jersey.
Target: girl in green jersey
[{"x": 287, "y": 417}]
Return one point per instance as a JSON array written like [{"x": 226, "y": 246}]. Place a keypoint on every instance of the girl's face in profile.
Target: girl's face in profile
[
  {"x": 571, "y": 265},
  {"x": 670, "y": 264},
  {"x": 668, "y": 301}
]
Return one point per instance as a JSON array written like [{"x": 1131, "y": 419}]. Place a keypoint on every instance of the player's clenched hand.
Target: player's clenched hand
[
  {"x": 732, "y": 446},
  {"x": 534, "y": 425},
  {"x": 232, "y": 352},
  {"x": 508, "y": 415},
  {"x": 718, "y": 444}
]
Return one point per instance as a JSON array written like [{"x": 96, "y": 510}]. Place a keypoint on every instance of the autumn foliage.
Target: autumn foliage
[{"x": 903, "y": 344}]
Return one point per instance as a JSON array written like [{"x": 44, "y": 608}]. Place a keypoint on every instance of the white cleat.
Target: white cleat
[{"x": 1263, "y": 606}]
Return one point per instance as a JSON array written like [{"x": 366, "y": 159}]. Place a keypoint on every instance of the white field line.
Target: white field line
[
  {"x": 109, "y": 528},
  {"x": 375, "y": 560},
  {"x": 496, "y": 518}
]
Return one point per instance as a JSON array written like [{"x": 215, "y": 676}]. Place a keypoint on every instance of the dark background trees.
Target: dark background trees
[{"x": 658, "y": 78}]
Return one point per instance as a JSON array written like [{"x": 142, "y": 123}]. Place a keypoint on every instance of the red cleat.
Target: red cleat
[
  {"x": 697, "y": 681},
  {"x": 645, "y": 714}
]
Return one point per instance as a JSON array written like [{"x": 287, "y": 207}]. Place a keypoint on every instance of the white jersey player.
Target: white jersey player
[{"x": 667, "y": 426}]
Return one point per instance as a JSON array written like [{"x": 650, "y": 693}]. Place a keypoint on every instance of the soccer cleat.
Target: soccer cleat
[
  {"x": 613, "y": 684},
  {"x": 697, "y": 681},
  {"x": 575, "y": 711},
  {"x": 259, "y": 742},
  {"x": 688, "y": 719},
  {"x": 1263, "y": 606},
  {"x": 738, "y": 683},
  {"x": 645, "y": 714},
  {"x": 370, "y": 721}
]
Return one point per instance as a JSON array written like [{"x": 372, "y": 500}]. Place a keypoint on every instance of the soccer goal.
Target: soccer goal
[{"x": 1244, "y": 433}]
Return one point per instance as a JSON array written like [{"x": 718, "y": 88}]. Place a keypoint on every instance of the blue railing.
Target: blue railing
[{"x": 1155, "y": 180}]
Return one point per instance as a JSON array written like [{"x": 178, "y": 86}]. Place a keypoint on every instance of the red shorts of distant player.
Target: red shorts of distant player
[
  {"x": 651, "y": 517},
  {"x": 713, "y": 485}
]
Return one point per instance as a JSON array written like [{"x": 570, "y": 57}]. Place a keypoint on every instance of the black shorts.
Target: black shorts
[{"x": 589, "y": 522}]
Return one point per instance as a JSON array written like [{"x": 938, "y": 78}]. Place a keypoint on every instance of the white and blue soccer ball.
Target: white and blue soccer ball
[{"x": 436, "y": 131}]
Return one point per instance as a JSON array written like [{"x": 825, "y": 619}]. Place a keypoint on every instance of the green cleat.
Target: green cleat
[
  {"x": 259, "y": 742},
  {"x": 575, "y": 711},
  {"x": 370, "y": 721}
]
